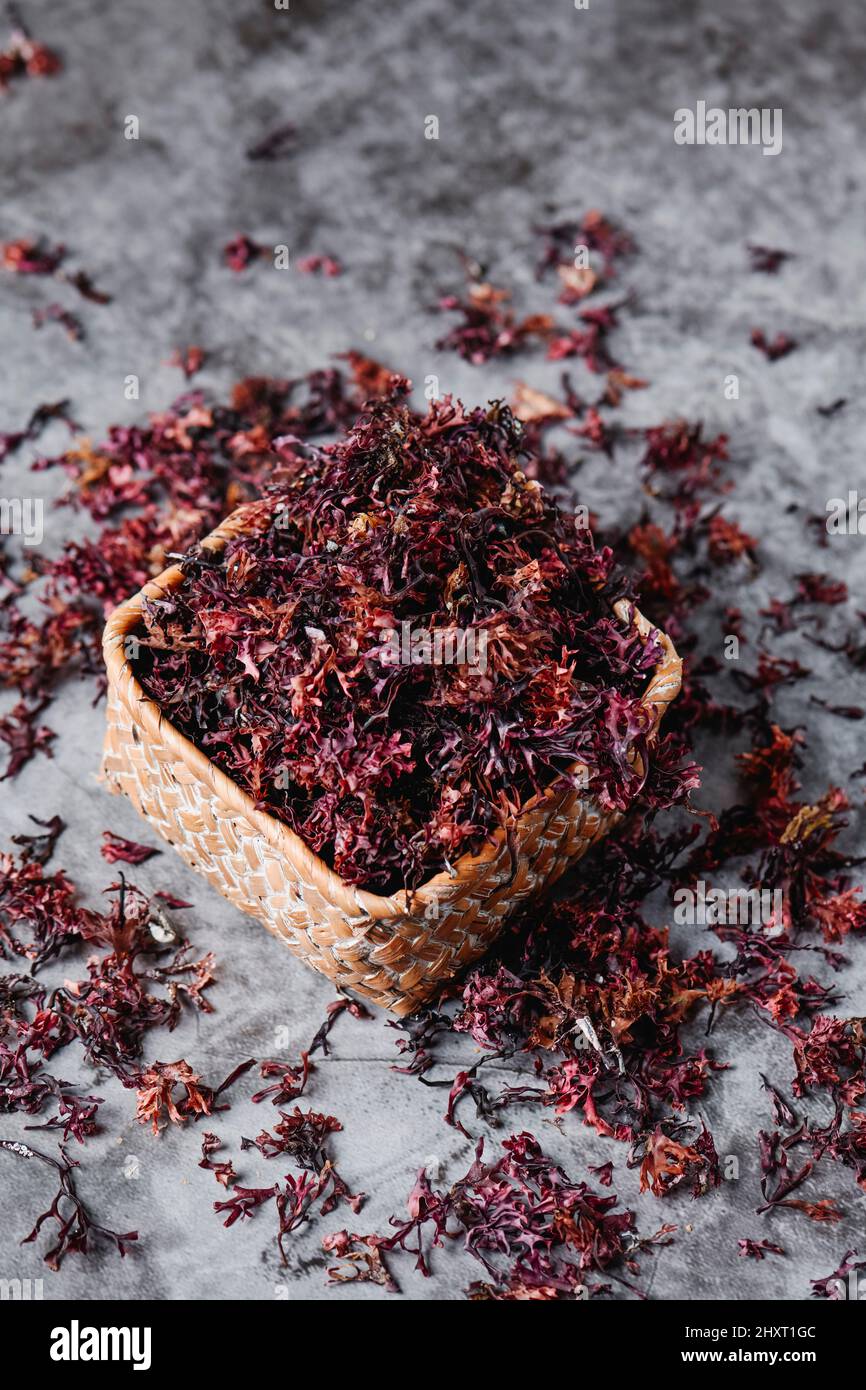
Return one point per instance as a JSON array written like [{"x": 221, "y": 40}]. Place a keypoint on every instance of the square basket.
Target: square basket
[{"x": 397, "y": 950}]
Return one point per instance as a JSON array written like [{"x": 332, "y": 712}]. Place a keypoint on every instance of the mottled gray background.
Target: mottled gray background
[{"x": 539, "y": 105}]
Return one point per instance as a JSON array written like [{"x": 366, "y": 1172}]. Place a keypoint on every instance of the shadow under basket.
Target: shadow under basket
[{"x": 396, "y": 951}]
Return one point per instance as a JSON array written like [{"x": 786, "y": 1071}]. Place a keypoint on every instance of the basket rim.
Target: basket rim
[{"x": 663, "y": 687}]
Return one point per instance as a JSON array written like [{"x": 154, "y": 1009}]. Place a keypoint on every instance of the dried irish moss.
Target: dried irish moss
[{"x": 303, "y": 660}]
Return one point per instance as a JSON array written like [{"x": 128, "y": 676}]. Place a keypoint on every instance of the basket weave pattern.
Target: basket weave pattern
[{"x": 395, "y": 950}]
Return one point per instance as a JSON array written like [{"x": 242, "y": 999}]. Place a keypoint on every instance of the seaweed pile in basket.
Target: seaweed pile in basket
[
  {"x": 602, "y": 1018},
  {"x": 409, "y": 642}
]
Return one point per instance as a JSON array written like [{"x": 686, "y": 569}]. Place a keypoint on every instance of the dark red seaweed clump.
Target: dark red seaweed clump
[{"x": 413, "y": 643}]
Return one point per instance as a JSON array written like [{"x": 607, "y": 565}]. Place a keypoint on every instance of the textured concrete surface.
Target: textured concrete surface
[{"x": 538, "y": 106}]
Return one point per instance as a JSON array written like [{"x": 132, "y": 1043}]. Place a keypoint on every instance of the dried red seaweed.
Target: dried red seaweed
[
  {"x": 56, "y": 313},
  {"x": 224, "y": 1171},
  {"x": 279, "y": 141},
  {"x": 108, "y": 1013},
  {"x": 23, "y": 55},
  {"x": 489, "y": 328},
  {"x": 76, "y": 1228},
  {"x": 190, "y": 360},
  {"x": 596, "y": 233},
  {"x": 766, "y": 260},
  {"x": 118, "y": 850},
  {"x": 39, "y": 419},
  {"x": 758, "y": 1249},
  {"x": 586, "y": 992},
  {"x": 241, "y": 251},
  {"x": 29, "y": 257},
  {"x": 156, "y": 1093},
  {"x": 24, "y": 737},
  {"x": 391, "y": 769},
  {"x": 773, "y": 349},
  {"x": 538, "y": 1234},
  {"x": 40, "y": 847},
  {"x": 328, "y": 266},
  {"x": 836, "y": 1285}
]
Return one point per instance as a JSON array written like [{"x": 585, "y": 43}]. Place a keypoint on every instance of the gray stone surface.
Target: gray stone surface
[{"x": 538, "y": 104}]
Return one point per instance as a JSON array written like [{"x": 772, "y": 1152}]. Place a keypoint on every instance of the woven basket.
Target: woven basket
[{"x": 395, "y": 951}]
